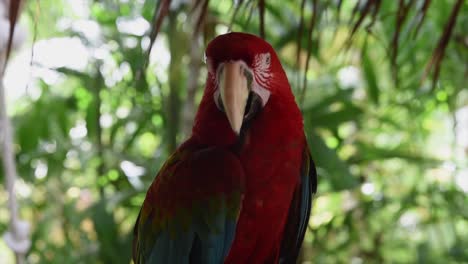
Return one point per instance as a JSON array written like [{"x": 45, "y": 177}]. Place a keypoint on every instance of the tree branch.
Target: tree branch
[{"x": 17, "y": 237}]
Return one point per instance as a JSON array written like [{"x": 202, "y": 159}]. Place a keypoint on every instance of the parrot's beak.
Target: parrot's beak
[{"x": 234, "y": 93}]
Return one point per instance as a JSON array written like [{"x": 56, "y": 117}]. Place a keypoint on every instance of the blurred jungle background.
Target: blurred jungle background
[{"x": 94, "y": 113}]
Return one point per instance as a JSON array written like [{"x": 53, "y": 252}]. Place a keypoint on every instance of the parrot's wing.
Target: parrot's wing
[
  {"x": 299, "y": 212},
  {"x": 191, "y": 209}
]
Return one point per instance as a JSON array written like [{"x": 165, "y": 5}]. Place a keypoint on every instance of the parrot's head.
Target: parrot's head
[{"x": 244, "y": 74}]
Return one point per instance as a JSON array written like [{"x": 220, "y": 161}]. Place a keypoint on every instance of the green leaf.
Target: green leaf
[
  {"x": 323, "y": 104},
  {"x": 333, "y": 119},
  {"x": 71, "y": 72},
  {"x": 334, "y": 170},
  {"x": 369, "y": 74},
  {"x": 369, "y": 152},
  {"x": 113, "y": 248}
]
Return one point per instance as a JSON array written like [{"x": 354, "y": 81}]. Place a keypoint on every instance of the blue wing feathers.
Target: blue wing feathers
[
  {"x": 230, "y": 230},
  {"x": 201, "y": 232},
  {"x": 305, "y": 206},
  {"x": 202, "y": 242}
]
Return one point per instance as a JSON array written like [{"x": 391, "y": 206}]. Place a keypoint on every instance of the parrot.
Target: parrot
[{"x": 240, "y": 188}]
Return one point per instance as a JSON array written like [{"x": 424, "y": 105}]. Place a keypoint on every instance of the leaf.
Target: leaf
[
  {"x": 113, "y": 249},
  {"x": 324, "y": 104},
  {"x": 365, "y": 11},
  {"x": 421, "y": 16},
  {"x": 261, "y": 11},
  {"x": 444, "y": 39},
  {"x": 103, "y": 16},
  {"x": 28, "y": 130},
  {"x": 402, "y": 13},
  {"x": 332, "y": 119},
  {"x": 335, "y": 170},
  {"x": 371, "y": 78},
  {"x": 299, "y": 35},
  {"x": 160, "y": 12},
  {"x": 423, "y": 253},
  {"x": 287, "y": 38},
  {"x": 369, "y": 153},
  {"x": 71, "y": 72},
  {"x": 312, "y": 26}
]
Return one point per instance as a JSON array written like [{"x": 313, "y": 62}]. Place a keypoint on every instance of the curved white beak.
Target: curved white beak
[{"x": 234, "y": 92}]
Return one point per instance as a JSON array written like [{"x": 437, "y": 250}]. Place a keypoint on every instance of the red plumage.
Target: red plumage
[
  {"x": 267, "y": 164},
  {"x": 271, "y": 154}
]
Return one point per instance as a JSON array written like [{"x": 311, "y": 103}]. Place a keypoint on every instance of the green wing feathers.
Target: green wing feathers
[{"x": 191, "y": 209}]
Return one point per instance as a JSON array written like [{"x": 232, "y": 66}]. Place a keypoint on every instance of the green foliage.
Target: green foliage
[{"x": 383, "y": 140}]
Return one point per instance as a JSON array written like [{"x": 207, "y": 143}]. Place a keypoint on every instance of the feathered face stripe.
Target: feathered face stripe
[{"x": 261, "y": 73}]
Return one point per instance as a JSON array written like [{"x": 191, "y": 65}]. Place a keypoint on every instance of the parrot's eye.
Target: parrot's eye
[{"x": 267, "y": 59}]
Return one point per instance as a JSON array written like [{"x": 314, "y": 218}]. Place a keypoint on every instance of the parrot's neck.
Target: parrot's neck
[{"x": 212, "y": 128}]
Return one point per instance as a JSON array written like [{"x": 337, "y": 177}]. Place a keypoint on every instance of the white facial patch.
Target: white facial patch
[
  {"x": 262, "y": 75},
  {"x": 262, "y": 67}
]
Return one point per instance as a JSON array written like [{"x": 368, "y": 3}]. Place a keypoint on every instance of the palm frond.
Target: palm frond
[
  {"x": 261, "y": 11},
  {"x": 444, "y": 39},
  {"x": 400, "y": 19},
  {"x": 366, "y": 10},
  {"x": 160, "y": 12},
  {"x": 309, "y": 48},
  {"x": 421, "y": 16},
  {"x": 362, "y": 10},
  {"x": 299, "y": 40}
]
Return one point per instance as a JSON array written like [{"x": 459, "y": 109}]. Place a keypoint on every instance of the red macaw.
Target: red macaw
[{"x": 239, "y": 189}]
